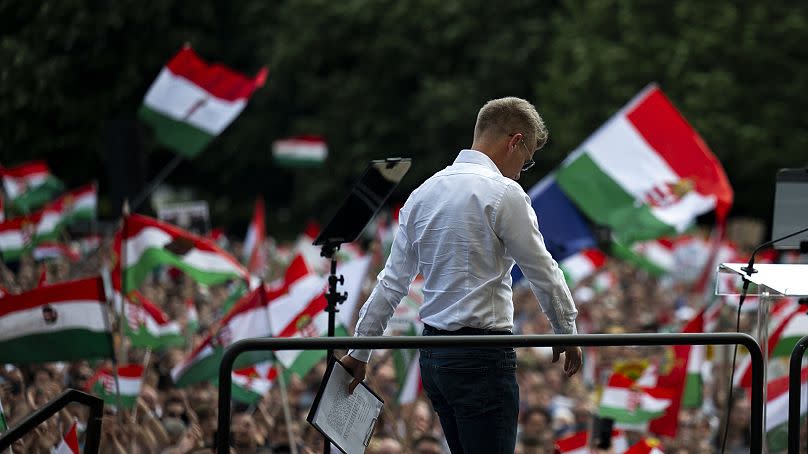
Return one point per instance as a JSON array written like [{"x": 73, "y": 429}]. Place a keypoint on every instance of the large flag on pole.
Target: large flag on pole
[
  {"x": 193, "y": 101},
  {"x": 29, "y": 186},
  {"x": 646, "y": 172},
  {"x": 254, "y": 253},
  {"x": 60, "y": 322},
  {"x": 150, "y": 243}
]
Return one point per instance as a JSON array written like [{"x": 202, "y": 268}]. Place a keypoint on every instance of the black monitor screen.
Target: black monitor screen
[
  {"x": 790, "y": 207},
  {"x": 365, "y": 199}
]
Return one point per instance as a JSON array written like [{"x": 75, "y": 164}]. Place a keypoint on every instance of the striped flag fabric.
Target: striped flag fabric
[
  {"x": 70, "y": 442},
  {"x": 192, "y": 101},
  {"x": 300, "y": 151},
  {"x": 151, "y": 243},
  {"x": 577, "y": 443},
  {"x": 646, "y": 172},
  {"x": 248, "y": 318},
  {"x": 254, "y": 253},
  {"x": 17, "y": 236},
  {"x": 777, "y": 410},
  {"x": 626, "y": 402},
  {"x": 684, "y": 379},
  {"x": 60, "y": 322},
  {"x": 50, "y": 250},
  {"x": 30, "y": 185},
  {"x": 581, "y": 265},
  {"x": 795, "y": 329},
  {"x": 249, "y": 389},
  {"x": 130, "y": 380},
  {"x": 147, "y": 326},
  {"x": 646, "y": 446}
]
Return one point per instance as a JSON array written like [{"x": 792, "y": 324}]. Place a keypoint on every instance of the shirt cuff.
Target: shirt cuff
[{"x": 361, "y": 355}]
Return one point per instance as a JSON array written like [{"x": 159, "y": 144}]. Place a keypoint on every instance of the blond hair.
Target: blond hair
[{"x": 509, "y": 116}]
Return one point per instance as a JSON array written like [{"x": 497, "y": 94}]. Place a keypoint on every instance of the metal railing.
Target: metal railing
[
  {"x": 93, "y": 434},
  {"x": 794, "y": 390},
  {"x": 411, "y": 342}
]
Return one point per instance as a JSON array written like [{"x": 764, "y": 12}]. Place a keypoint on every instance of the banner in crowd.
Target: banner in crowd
[
  {"x": 646, "y": 173},
  {"x": 192, "y": 101},
  {"x": 60, "y": 322},
  {"x": 147, "y": 326}
]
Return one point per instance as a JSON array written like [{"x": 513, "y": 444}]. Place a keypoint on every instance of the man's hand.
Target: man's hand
[
  {"x": 357, "y": 370},
  {"x": 572, "y": 358}
]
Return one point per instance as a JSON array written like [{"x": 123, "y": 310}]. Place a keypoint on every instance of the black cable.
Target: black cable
[{"x": 732, "y": 370}]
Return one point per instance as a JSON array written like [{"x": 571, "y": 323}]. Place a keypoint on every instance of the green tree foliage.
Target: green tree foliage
[{"x": 384, "y": 78}]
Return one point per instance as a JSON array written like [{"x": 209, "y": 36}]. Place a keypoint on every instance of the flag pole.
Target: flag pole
[
  {"x": 146, "y": 362},
  {"x": 287, "y": 414},
  {"x": 162, "y": 175},
  {"x": 106, "y": 287}
]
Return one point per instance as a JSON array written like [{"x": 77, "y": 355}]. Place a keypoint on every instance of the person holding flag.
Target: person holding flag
[{"x": 463, "y": 229}]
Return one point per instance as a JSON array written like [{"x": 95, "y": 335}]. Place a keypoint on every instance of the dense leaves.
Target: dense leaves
[{"x": 384, "y": 78}]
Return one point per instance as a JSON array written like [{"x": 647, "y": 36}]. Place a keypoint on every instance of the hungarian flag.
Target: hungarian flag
[
  {"x": 577, "y": 443},
  {"x": 17, "y": 236},
  {"x": 782, "y": 314},
  {"x": 149, "y": 327},
  {"x": 70, "y": 442},
  {"x": 654, "y": 256},
  {"x": 795, "y": 329},
  {"x": 74, "y": 206},
  {"x": 130, "y": 380},
  {"x": 581, "y": 265},
  {"x": 29, "y": 186},
  {"x": 52, "y": 250},
  {"x": 777, "y": 410},
  {"x": 645, "y": 446},
  {"x": 249, "y": 389},
  {"x": 60, "y": 322},
  {"x": 300, "y": 151},
  {"x": 248, "y": 318},
  {"x": 684, "y": 378},
  {"x": 193, "y": 101},
  {"x": 3, "y": 422},
  {"x": 253, "y": 253},
  {"x": 646, "y": 172},
  {"x": 626, "y": 402},
  {"x": 300, "y": 312},
  {"x": 151, "y": 243}
]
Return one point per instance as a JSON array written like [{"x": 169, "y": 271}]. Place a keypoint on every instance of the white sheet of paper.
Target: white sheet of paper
[{"x": 347, "y": 419}]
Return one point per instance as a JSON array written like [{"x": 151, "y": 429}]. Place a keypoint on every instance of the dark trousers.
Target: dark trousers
[{"x": 475, "y": 394}]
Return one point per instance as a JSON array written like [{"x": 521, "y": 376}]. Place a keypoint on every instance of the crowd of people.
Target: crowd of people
[{"x": 172, "y": 420}]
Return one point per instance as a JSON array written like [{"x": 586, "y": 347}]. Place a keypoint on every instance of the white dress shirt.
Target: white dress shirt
[{"x": 462, "y": 229}]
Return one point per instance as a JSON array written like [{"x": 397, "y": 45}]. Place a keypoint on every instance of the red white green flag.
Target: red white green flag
[
  {"x": 193, "y": 101},
  {"x": 149, "y": 327},
  {"x": 60, "y": 322},
  {"x": 248, "y": 318},
  {"x": 300, "y": 151},
  {"x": 130, "y": 380},
  {"x": 646, "y": 446},
  {"x": 74, "y": 206},
  {"x": 646, "y": 172},
  {"x": 254, "y": 253},
  {"x": 70, "y": 442},
  {"x": 151, "y": 243},
  {"x": 777, "y": 410},
  {"x": 626, "y": 402},
  {"x": 581, "y": 265},
  {"x": 29, "y": 186},
  {"x": 683, "y": 378},
  {"x": 17, "y": 237},
  {"x": 577, "y": 443},
  {"x": 53, "y": 250}
]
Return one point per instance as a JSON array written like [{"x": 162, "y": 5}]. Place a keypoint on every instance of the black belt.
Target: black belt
[{"x": 465, "y": 331}]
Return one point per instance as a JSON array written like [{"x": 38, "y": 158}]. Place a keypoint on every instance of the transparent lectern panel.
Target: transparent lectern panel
[{"x": 777, "y": 279}]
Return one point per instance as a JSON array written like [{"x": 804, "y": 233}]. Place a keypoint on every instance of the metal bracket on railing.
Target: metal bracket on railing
[
  {"x": 794, "y": 390},
  {"x": 411, "y": 342},
  {"x": 43, "y": 413}
]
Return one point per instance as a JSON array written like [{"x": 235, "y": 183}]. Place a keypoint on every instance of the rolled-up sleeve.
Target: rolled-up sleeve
[
  {"x": 516, "y": 225},
  {"x": 392, "y": 285}
]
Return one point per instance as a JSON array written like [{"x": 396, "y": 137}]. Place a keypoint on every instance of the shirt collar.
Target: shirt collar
[{"x": 469, "y": 156}]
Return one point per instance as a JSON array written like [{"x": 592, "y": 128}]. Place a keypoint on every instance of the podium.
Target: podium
[{"x": 768, "y": 282}]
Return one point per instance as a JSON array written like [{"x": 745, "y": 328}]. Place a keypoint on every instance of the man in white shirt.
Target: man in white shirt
[{"x": 462, "y": 229}]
